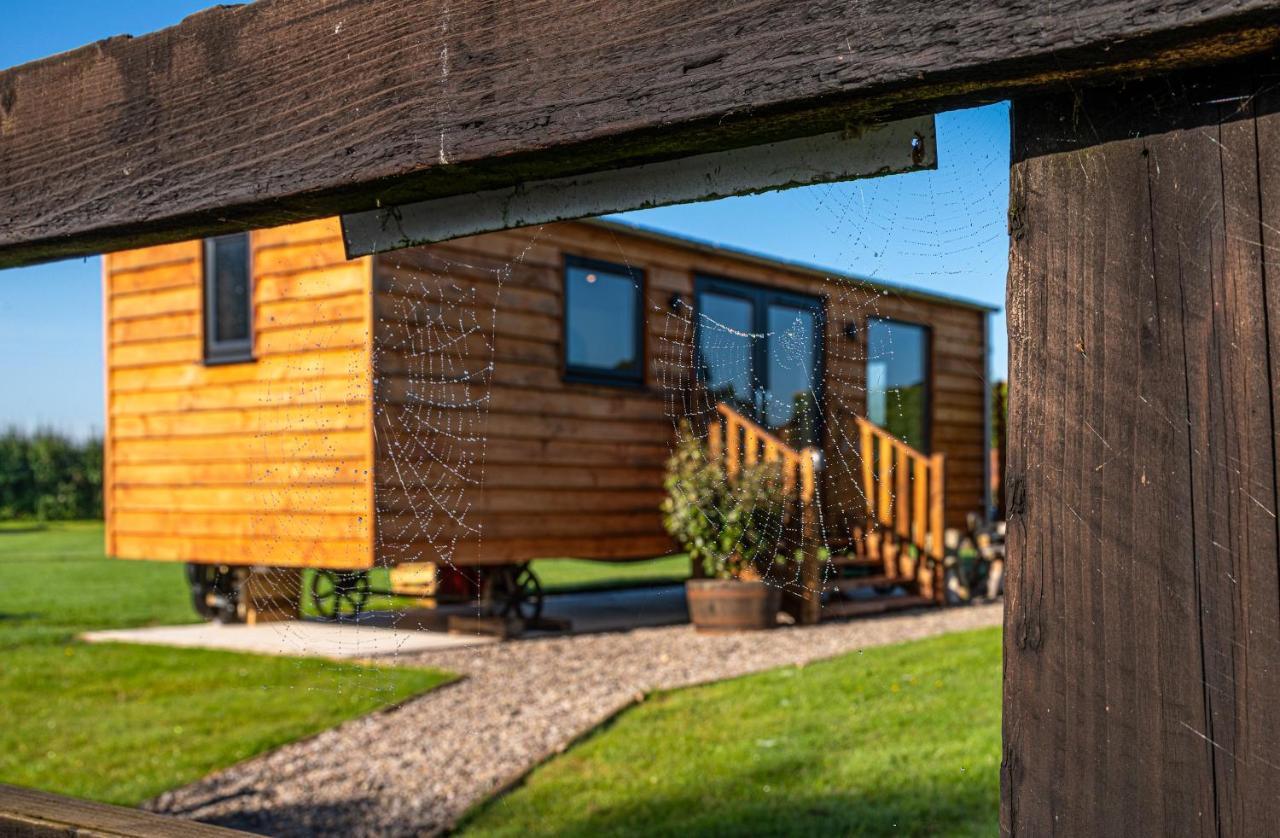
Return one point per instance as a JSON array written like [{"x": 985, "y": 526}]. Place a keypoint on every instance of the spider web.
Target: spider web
[{"x": 441, "y": 323}]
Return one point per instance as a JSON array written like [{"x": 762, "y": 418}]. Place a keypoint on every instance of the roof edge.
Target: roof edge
[{"x": 709, "y": 247}]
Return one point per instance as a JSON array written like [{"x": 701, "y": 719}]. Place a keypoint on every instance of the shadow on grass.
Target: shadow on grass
[
  {"x": 910, "y": 811},
  {"x": 746, "y": 803},
  {"x": 21, "y": 528},
  {"x": 353, "y": 816}
]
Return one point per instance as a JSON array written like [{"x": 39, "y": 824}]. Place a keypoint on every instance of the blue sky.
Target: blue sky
[{"x": 941, "y": 230}]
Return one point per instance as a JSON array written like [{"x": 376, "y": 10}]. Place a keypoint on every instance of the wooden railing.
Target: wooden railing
[
  {"x": 903, "y": 488},
  {"x": 741, "y": 442}
]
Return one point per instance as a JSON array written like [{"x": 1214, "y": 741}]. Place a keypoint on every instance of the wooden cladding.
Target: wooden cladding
[
  {"x": 262, "y": 463},
  {"x": 414, "y": 406}
]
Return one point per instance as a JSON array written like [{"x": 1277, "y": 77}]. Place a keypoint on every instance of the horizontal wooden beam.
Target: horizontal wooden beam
[
  {"x": 288, "y": 109},
  {"x": 27, "y": 813}
]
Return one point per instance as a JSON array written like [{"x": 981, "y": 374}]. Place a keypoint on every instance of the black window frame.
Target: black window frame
[
  {"x": 632, "y": 377},
  {"x": 926, "y": 447},
  {"x": 220, "y": 352},
  {"x": 760, "y": 295}
]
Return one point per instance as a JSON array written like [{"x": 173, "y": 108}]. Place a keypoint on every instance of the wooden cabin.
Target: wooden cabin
[{"x": 499, "y": 398}]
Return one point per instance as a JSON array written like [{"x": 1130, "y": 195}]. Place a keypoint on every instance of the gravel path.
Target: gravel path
[{"x": 417, "y": 768}]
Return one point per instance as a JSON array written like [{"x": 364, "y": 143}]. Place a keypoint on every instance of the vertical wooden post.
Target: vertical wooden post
[
  {"x": 937, "y": 504},
  {"x": 811, "y": 568},
  {"x": 866, "y": 453},
  {"x": 920, "y": 501},
  {"x": 731, "y": 433},
  {"x": 884, "y": 488},
  {"x": 902, "y": 493},
  {"x": 1142, "y": 614}
]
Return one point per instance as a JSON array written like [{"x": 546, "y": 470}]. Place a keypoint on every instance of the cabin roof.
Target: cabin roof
[{"x": 762, "y": 259}]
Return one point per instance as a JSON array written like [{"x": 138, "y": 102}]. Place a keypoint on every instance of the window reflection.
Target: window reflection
[
  {"x": 898, "y": 379},
  {"x": 758, "y": 352},
  {"x": 789, "y": 404},
  {"x": 602, "y": 322},
  {"x": 726, "y": 347}
]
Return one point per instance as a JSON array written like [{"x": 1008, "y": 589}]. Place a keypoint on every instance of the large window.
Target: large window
[
  {"x": 228, "y": 300},
  {"x": 898, "y": 397},
  {"x": 760, "y": 351},
  {"x": 603, "y": 322}
]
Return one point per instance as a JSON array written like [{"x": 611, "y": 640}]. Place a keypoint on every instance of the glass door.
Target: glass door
[
  {"x": 760, "y": 351},
  {"x": 898, "y": 392}
]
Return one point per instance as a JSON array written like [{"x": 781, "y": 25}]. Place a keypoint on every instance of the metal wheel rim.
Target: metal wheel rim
[
  {"x": 330, "y": 589},
  {"x": 521, "y": 593}
]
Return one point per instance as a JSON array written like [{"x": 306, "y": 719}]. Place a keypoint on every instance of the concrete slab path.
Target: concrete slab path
[
  {"x": 380, "y": 635},
  {"x": 296, "y": 639}
]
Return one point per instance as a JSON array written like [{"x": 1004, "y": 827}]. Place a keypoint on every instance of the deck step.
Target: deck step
[
  {"x": 857, "y": 583},
  {"x": 880, "y": 605},
  {"x": 854, "y": 561}
]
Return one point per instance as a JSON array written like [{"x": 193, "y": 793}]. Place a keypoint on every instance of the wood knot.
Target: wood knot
[
  {"x": 1016, "y": 496},
  {"x": 1017, "y": 217},
  {"x": 702, "y": 61}
]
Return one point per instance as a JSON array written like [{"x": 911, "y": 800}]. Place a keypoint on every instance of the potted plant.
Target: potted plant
[{"x": 732, "y": 528}]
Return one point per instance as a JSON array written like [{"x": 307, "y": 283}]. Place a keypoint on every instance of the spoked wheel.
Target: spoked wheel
[
  {"x": 337, "y": 593},
  {"x": 514, "y": 591},
  {"x": 216, "y": 591}
]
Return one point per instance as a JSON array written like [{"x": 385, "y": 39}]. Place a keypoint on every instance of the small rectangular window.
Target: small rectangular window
[
  {"x": 603, "y": 322},
  {"x": 228, "y": 300}
]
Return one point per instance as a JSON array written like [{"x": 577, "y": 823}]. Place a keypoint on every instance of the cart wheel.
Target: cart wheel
[
  {"x": 336, "y": 593},
  {"x": 514, "y": 591},
  {"x": 215, "y": 591}
]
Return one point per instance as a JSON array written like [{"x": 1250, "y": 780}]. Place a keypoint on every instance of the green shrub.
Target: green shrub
[
  {"x": 731, "y": 526},
  {"x": 49, "y": 476}
]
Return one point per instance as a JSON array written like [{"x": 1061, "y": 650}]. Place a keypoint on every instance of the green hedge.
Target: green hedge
[{"x": 48, "y": 476}]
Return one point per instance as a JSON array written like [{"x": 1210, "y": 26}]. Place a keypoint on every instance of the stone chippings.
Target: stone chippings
[{"x": 416, "y": 768}]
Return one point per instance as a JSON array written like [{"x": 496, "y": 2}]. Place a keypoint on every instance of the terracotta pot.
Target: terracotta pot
[{"x": 723, "y": 605}]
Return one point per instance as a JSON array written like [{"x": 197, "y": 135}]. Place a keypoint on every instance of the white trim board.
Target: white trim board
[{"x": 870, "y": 151}]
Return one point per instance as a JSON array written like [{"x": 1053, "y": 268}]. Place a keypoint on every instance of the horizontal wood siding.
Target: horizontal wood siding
[
  {"x": 261, "y": 463},
  {"x": 485, "y": 453}
]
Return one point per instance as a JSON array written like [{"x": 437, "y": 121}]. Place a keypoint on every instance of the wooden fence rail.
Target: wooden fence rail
[
  {"x": 904, "y": 489},
  {"x": 740, "y": 441}
]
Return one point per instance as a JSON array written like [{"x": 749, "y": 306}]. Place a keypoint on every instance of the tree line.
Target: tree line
[{"x": 49, "y": 476}]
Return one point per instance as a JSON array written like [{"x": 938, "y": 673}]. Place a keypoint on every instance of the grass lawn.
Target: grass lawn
[
  {"x": 559, "y": 575},
  {"x": 121, "y": 723},
  {"x": 899, "y": 740}
]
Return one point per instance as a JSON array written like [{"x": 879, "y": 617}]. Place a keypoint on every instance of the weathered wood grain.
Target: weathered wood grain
[
  {"x": 1141, "y": 651},
  {"x": 282, "y": 110},
  {"x": 27, "y": 813}
]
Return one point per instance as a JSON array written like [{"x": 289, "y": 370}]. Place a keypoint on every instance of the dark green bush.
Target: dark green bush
[{"x": 50, "y": 477}]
